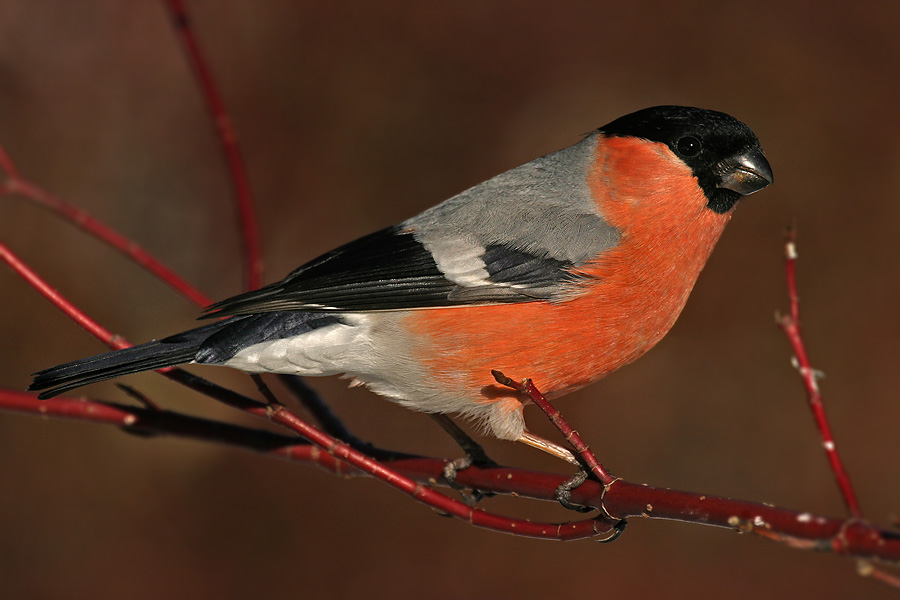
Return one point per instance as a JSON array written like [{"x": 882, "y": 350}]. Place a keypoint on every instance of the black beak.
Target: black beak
[{"x": 745, "y": 173}]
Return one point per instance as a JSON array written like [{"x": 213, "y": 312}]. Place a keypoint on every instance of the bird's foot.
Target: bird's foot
[
  {"x": 563, "y": 493},
  {"x": 474, "y": 456}
]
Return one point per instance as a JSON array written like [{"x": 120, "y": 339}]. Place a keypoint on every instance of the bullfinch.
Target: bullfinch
[{"x": 562, "y": 270}]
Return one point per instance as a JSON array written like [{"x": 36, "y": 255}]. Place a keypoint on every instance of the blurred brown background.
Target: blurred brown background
[{"x": 356, "y": 115}]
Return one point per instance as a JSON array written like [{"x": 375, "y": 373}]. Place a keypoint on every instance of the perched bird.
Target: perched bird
[{"x": 562, "y": 270}]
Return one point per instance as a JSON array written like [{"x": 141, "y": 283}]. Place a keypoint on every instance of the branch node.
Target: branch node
[
  {"x": 504, "y": 380},
  {"x": 790, "y": 250}
]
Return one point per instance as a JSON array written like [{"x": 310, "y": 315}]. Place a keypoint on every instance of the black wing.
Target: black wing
[{"x": 391, "y": 270}]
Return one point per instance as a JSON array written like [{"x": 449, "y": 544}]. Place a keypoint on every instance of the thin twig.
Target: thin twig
[
  {"x": 139, "y": 396},
  {"x": 794, "y": 529},
  {"x": 15, "y": 185},
  {"x": 321, "y": 412},
  {"x": 790, "y": 324},
  {"x": 95, "y": 329},
  {"x": 117, "y": 342},
  {"x": 330, "y": 423},
  {"x": 867, "y": 569},
  {"x": 229, "y": 142},
  {"x": 528, "y": 388}
]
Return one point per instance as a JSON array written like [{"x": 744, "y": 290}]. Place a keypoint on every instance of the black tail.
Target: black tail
[
  {"x": 170, "y": 352},
  {"x": 212, "y": 344}
]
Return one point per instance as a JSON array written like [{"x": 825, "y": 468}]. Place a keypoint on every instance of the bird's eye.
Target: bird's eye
[{"x": 688, "y": 146}]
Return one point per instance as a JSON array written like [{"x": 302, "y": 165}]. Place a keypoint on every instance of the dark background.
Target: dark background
[{"x": 354, "y": 116}]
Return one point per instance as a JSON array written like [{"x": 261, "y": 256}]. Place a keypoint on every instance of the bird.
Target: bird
[{"x": 561, "y": 270}]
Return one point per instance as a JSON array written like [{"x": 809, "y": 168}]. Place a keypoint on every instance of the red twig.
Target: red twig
[
  {"x": 7, "y": 165},
  {"x": 113, "y": 341},
  {"x": 475, "y": 516},
  {"x": 790, "y": 324},
  {"x": 229, "y": 142},
  {"x": 16, "y": 185},
  {"x": 528, "y": 388},
  {"x": 867, "y": 569},
  {"x": 95, "y": 329},
  {"x": 622, "y": 500},
  {"x": 336, "y": 456}
]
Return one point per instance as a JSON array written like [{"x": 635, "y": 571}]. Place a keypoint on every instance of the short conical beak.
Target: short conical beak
[{"x": 745, "y": 173}]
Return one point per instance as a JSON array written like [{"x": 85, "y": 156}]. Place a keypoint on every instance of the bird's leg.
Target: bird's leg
[
  {"x": 474, "y": 455},
  {"x": 549, "y": 447}
]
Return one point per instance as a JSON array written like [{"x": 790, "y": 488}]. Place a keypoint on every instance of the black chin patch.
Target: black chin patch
[{"x": 721, "y": 201}]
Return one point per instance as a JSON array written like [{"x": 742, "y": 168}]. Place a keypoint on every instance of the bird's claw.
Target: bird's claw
[{"x": 563, "y": 493}]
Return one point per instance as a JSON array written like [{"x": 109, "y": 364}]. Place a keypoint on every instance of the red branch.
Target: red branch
[
  {"x": 229, "y": 141},
  {"x": 619, "y": 500},
  {"x": 475, "y": 516},
  {"x": 95, "y": 329},
  {"x": 337, "y": 457},
  {"x": 790, "y": 324},
  {"x": 16, "y": 185},
  {"x": 528, "y": 388}
]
